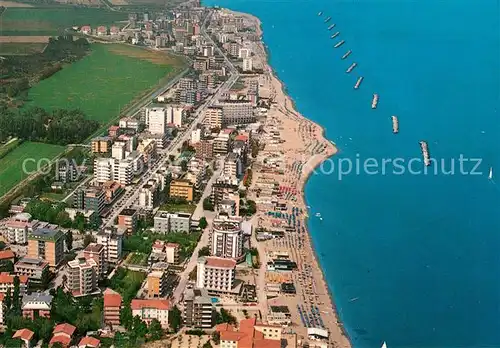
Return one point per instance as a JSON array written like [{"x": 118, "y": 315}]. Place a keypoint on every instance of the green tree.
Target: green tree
[
  {"x": 79, "y": 222},
  {"x": 6, "y": 266},
  {"x": 155, "y": 330},
  {"x": 216, "y": 337},
  {"x": 46, "y": 277},
  {"x": 205, "y": 251},
  {"x": 207, "y": 345},
  {"x": 44, "y": 328},
  {"x": 207, "y": 204},
  {"x": 184, "y": 165},
  {"x": 126, "y": 316},
  {"x": 16, "y": 299},
  {"x": 87, "y": 240},
  {"x": 8, "y": 299},
  {"x": 175, "y": 319},
  {"x": 139, "y": 327},
  {"x": 203, "y": 223},
  {"x": 69, "y": 240}
]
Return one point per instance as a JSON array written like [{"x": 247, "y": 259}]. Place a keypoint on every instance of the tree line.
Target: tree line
[{"x": 60, "y": 126}]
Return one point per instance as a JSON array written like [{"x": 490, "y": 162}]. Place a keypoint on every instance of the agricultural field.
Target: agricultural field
[
  {"x": 11, "y": 165},
  {"x": 40, "y": 21},
  {"x": 104, "y": 82}
]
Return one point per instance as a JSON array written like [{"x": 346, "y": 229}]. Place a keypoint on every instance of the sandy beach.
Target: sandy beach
[{"x": 294, "y": 147}]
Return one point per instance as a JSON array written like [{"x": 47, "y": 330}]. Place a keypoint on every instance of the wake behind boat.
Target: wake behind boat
[{"x": 490, "y": 175}]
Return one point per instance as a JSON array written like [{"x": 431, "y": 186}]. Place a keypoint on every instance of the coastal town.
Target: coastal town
[{"x": 184, "y": 224}]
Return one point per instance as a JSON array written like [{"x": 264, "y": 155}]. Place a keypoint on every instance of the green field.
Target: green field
[
  {"x": 52, "y": 21},
  {"x": 138, "y": 259},
  {"x": 102, "y": 83},
  {"x": 15, "y": 48},
  {"x": 11, "y": 166}
]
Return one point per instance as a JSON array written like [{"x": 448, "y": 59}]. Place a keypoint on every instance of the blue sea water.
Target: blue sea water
[{"x": 420, "y": 252}]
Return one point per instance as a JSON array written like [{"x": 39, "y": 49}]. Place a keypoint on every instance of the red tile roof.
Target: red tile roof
[
  {"x": 88, "y": 341},
  {"x": 112, "y": 298},
  {"x": 24, "y": 334},
  {"x": 241, "y": 137},
  {"x": 65, "y": 340},
  {"x": 6, "y": 254},
  {"x": 65, "y": 328},
  {"x": 172, "y": 245},
  {"x": 7, "y": 278},
  {"x": 220, "y": 262},
  {"x": 247, "y": 336},
  {"x": 158, "y": 304},
  {"x": 16, "y": 224}
]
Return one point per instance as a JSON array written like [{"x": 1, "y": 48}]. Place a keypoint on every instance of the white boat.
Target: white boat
[
  {"x": 318, "y": 214},
  {"x": 490, "y": 175},
  {"x": 384, "y": 345}
]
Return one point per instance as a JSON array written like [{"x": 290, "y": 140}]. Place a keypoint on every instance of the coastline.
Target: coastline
[{"x": 338, "y": 334}]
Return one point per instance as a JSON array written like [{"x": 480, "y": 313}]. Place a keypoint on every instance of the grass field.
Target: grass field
[
  {"x": 174, "y": 208},
  {"x": 52, "y": 21},
  {"x": 16, "y": 48},
  {"x": 138, "y": 259},
  {"x": 104, "y": 82},
  {"x": 11, "y": 166}
]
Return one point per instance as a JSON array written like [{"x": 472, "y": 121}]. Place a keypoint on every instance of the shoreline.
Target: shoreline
[{"x": 338, "y": 334}]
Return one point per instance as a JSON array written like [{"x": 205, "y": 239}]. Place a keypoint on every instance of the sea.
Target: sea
[{"x": 412, "y": 257}]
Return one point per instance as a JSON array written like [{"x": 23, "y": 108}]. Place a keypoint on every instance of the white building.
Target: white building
[
  {"x": 175, "y": 115},
  {"x": 235, "y": 112},
  {"x": 120, "y": 170},
  {"x": 149, "y": 192},
  {"x": 166, "y": 222},
  {"x": 148, "y": 310},
  {"x": 118, "y": 150},
  {"x": 16, "y": 229},
  {"x": 215, "y": 274},
  {"x": 247, "y": 64},
  {"x": 130, "y": 123},
  {"x": 196, "y": 136},
  {"x": 112, "y": 241},
  {"x": 233, "y": 167},
  {"x": 213, "y": 117},
  {"x": 82, "y": 276},
  {"x": 156, "y": 119},
  {"x": 244, "y": 53},
  {"x": 226, "y": 238}
]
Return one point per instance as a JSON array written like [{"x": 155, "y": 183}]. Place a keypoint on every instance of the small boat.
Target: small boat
[
  {"x": 395, "y": 124},
  {"x": 490, "y": 175},
  {"x": 339, "y": 44},
  {"x": 346, "y": 54},
  {"x": 354, "y": 299},
  {"x": 317, "y": 214},
  {"x": 331, "y": 26},
  {"x": 375, "y": 101},
  {"x": 353, "y": 65},
  {"x": 384, "y": 345},
  {"x": 335, "y": 35},
  {"x": 320, "y": 13},
  {"x": 356, "y": 86},
  {"x": 425, "y": 152},
  {"x": 327, "y": 19}
]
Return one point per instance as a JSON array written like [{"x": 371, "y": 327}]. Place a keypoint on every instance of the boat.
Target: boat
[
  {"x": 346, "y": 54},
  {"x": 490, "y": 175},
  {"x": 317, "y": 214},
  {"x": 320, "y": 13},
  {"x": 351, "y": 68},
  {"x": 331, "y": 26},
  {"x": 375, "y": 101},
  {"x": 339, "y": 44},
  {"x": 384, "y": 345},
  {"x": 335, "y": 35},
  {"x": 395, "y": 124},
  {"x": 356, "y": 86},
  {"x": 327, "y": 19},
  {"x": 354, "y": 299},
  {"x": 425, "y": 152}
]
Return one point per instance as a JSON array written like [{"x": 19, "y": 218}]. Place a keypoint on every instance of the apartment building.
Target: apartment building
[
  {"x": 66, "y": 171},
  {"x": 156, "y": 119},
  {"x": 213, "y": 117},
  {"x": 97, "y": 252},
  {"x": 149, "y": 193},
  {"x": 16, "y": 229},
  {"x": 199, "y": 311},
  {"x": 119, "y": 170},
  {"x": 129, "y": 123},
  {"x": 226, "y": 238},
  {"x": 215, "y": 274},
  {"x": 232, "y": 165},
  {"x": 223, "y": 187},
  {"x": 247, "y": 64},
  {"x": 82, "y": 276},
  {"x": 165, "y": 222},
  {"x": 112, "y": 307},
  {"x": 176, "y": 115},
  {"x": 244, "y": 53},
  {"x": 112, "y": 240},
  {"x": 204, "y": 149},
  {"x": 101, "y": 144},
  {"x": 7, "y": 282},
  {"x": 148, "y": 148},
  {"x": 182, "y": 189},
  {"x": 147, "y": 310},
  {"x": 128, "y": 220},
  {"x": 32, "y": 268},
  {"x": 157, "y": 282},
  {"x": 91, "y": 198},
  {"x": 236, "y": 112},
  {"x": 168, "y": 252},
  {"x": 37, "y": 304},
  {"x": 46, "y": 244}
]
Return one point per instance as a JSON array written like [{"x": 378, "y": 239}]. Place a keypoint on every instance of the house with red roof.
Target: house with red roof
[
  {"x": 113, "y": 131},
  {"x": 7, "y": 282},
  {"x": 89, "y": 342},
  {"x": 151, "y": 309},
  {"x": 114, "y": 30},
  {"x": 112, "y": 307},
  {"x": 63, "y": 334},
  {"x": 86, "y": 29},
  {"x": 25, "y": 335},
  {"x": 102, "y": 30},
  {"x": 251, "y": 334},
  {"x": 7, "y": 255}
]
